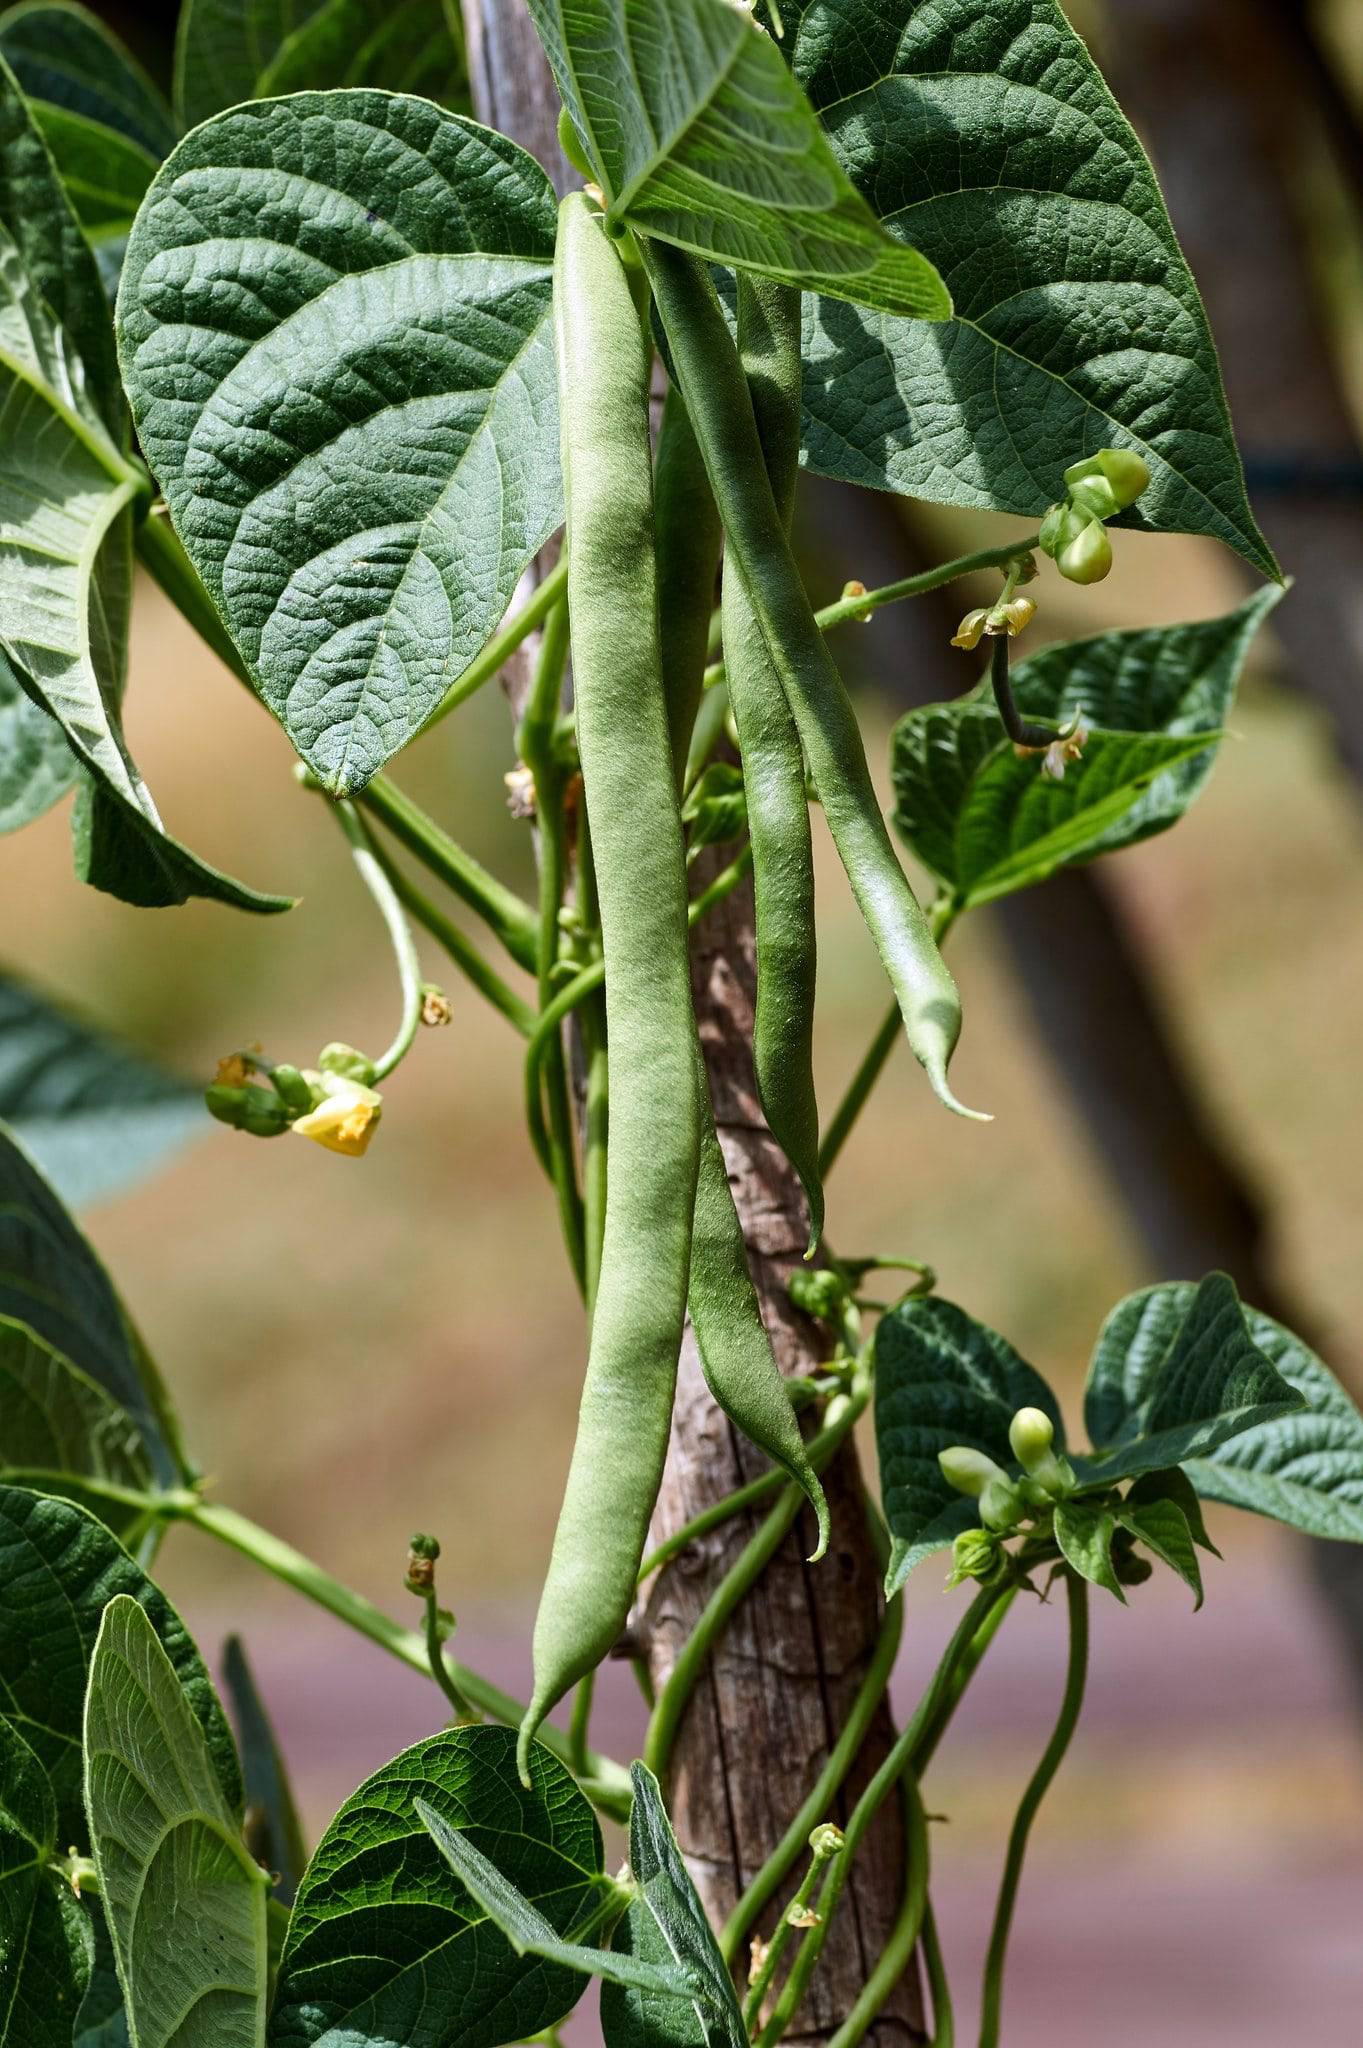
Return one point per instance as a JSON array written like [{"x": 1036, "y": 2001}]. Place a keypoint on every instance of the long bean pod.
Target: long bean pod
[
  {"x": 774, "y": 765},
  {"x": 688, "y": 564},
  {"x": 626, "y": 754},
  {"x": 712, "y": 382}
]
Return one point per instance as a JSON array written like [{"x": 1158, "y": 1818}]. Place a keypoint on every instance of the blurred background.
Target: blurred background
[{"x": 1171, "y": 1042}]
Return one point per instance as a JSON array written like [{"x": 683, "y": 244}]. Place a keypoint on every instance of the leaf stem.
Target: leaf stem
[
  {"x": 894, "y": 1958},
  {"x": 505, "y": 913},
  {"x": 1076, "y": 1673},
  {"x": 375, "y": 878},
  {"x": 822, "y": 1852},
  {"x": 439, "y": 1663},
  {"x": 939, "y": 1990},
  {"x": 503, "y": 645},
  {"x": 461, "y": 949}
]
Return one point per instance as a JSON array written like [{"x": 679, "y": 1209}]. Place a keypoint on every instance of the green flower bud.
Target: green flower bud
[
  {"x": 826, "y": 1841},
  {"x": 1031, "y": 1434},
  {"x": 1052, "y": 529},
  {"x": 346, "y": 1061},
  {"x": 258, "y": 1111},
  {"x": 968, "y": 1470},
  {"x": 1086, "y": 558},
  {"x": 1124, "y": 472},
  {"x": 1002, "y": 1506},
  {"x": 294, "y": 1088},
  {"x": 1095, "y": 494},
  {"x": 976, "y": 1554},
  {"x": 422, "y": 1552},
  {"x": 570, "y": 142},
  {"x": 821, "y": 1293}
]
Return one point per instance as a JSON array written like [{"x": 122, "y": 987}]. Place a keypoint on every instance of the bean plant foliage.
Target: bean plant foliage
[{"x": 330, "y": 361}]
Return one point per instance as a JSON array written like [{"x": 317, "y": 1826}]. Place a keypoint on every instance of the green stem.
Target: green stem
[
  {"x": 375, "y": 878},
  {"x": 894, "y": 1959},
  {"x": 460, "y": 948},
  {"x": 1076, "y": 1673},
  {"x": 708, "y": 728},
  {"x": 439, "y": 1664},
  {"x": 580, "y": 1726},
  {"x": 759, "y": 1985},
  {"x": 607, "y": 1783},
  {"x": 939, "y": 1990},
  {"x": 501, "y": 909},
  {"x": 503, "y": 645}
]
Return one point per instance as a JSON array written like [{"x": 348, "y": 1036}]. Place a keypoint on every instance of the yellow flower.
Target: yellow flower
[
  {"x": 971, "y": 629},
  {"x": 345, "y": 1119}
]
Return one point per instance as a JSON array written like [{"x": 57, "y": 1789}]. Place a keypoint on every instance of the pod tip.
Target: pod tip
[
  {"x": 534, "y": 1714},
  {"x": 818, "y": 1500},
  {"x": 941, "y": 1088}
]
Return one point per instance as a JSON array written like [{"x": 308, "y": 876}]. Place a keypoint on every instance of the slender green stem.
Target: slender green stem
[
  {"x": 149, "y": 1505},
  {"x": 709, "y": 726},
  {"x": 861, "y": 605},
  {"x": 825, "y": 1789},
  {"x": 1076, "y": 1673},
  {"x": 724, "y": 884},
  {"x": 503, "y": 645},
  {"x": 939, "y": 1990},
  {"x": 374, "y": 875},
  {"x": 894, "y": 1958},
  {"x": 439, "y": 1664},
  {"x": 505, "y": 913},
  {"x": 460, "y": 948},
  {"x": 901, "y": 1757},
  {"x": 579, "y": 1728},
  {"x": 606, "y": 1783},
  {"x": 823, "y": 1848}
]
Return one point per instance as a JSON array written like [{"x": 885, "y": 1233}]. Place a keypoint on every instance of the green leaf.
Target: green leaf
[
  {"x": 44, "y": 1949},
  {"x": 984, "y": 129},
  {"x": 385, "y": 1946},
  {"x": 334, "y": 327},
  {"x": 58, "y": 1428},
  {"x": 101, "y": 2021},
  {"x": 184, "y": 1901},
  {"x": 529, "y": 1932},
  {"x": 1085, "y": 1534},
  {"x": 37, "y": 767},
  {"x": 94, "y": 1116},
  {"x": 105, "y": 175},
  {"x": 1155, "y": 702},
  {"x": 1306, "y": 1468},
  {"x": 64, "y": 56},
  {"x": 227, "y": 51},
  {"x": 51, "y": 1280},
  {"x": 1173, "y": 1484},
  {"x": 60, "y": 1569},
  {"x": 1175, "y": 1373},
  {"x": 666, "y": 1923},
  {"x": 1162, "y": 1527},
  {"x": 942, "y": 1379},
  {"x": 702, "y": 138},
  {"x": 275, "y": 1834}
]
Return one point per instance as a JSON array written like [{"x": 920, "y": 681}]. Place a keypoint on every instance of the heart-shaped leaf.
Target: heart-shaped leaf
[
  {"x": 1304, "y": 1468},
  {"x": 1174, "y": 1374},
  {"x": 184, "y": 1901},
  {"x": 227, "y": 51},
  {"x": 60, "y": 1569},
  {"x": 92, "y": 1115},
  {"x": 701, "y": 137},
  {"x": 1084, "y": 1533},
  {"x": 51, "y": 1280},
  {"x": 44, "y": 1947},
  {"x": 58, "y": 1429},
  {"x": 942, "y": 1379},
  {"x": 37, "y": 767},
  {"x": 983, "y": 130},
  {"x": 666, "y": 1924},
  {"x": 335, "y": 335},
  {"x": 1162, "y": 1527},
  {"x": 987, "y": 822},
  {"x": 386, "y": 1945}
]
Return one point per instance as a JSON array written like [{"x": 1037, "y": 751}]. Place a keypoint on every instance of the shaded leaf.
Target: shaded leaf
[
  {"x": 983, "y": 129},
  {"x": 92, "y": 1115},
  {"x": 1174, "y": 1485},
  {"x": 1162, "y": 1527},
  {"x": 184, "y": 1901},
  {"x": 334, "y": 327},
  {"x": 64, "y": 55},
  {"x": 987, "y": 822},
  {"x": 702, "y": 138},
  {"x": 1170, "y": 1379},
  {"x": 1085, "y": 1534},
  {"x": 44, "y": 1948},
  {"x": 58, "y": 1428},
  {"x": 37, "y": 767},
  {"x": 385, "y": 1945},
  {"x": 105, "y": 175},
  {"x": 272, "y": 1825},
  {"x": 227, "y": 51},
  {"x": 60, "y": 1569},
  {"x": 942, "y": 1379},
  {"x": 101, "y": 2021}
]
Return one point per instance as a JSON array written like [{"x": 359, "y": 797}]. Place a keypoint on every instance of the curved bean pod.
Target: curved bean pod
[
  {"x": 626, "y": 754},
  {"x": 688, "y": 564}
]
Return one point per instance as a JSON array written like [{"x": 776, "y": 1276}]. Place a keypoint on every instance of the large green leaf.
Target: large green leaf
[
  {"x": 59, "y": 1429},
  {"x": 1305, "y": 1468},
  {"x": 334, "y": 327},
  {"x": 232, "y": 50},
  {"x": 701, "y": 137},
  {"x": 51, "y": 1280},
  {"x": 988, "y": 822},
  {"x": 37, "y": 767},
  {"x": 44, "y": 1949},
  {"x": 67, "y": 491},
  {"x": 942, "y": 1379},
  {"x": 983, "y": 130},
  {"x": 1175, "y": 1373},
  {"x": 666, "y": 1924},
  {"x": 386, "y": 1946},
  {"x": 184, "y": 1901},
  {"x": 64, "y": 56},
  {"x": 105, "y": 175},
  {"x": 60, "y": 1569},
  {"x": 92, "y": 1115}
]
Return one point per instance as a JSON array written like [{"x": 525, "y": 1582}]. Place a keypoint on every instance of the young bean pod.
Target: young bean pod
[
  {"x": 774, "y": 765},
  {"x": 716, "y": 393},
  {"x": 627, "y": 766},
  {"x": 688, "y": 566}
]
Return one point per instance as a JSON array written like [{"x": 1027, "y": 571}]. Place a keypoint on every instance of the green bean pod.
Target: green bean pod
[
  {"x": 716, "y": 392},
  {"x": 774, "y": 765},
  {"x": 655, "y": 1118},
  {"x": 688, "y": 566}
]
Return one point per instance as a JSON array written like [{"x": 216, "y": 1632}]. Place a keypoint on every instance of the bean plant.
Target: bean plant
[{"x": 331, "y": 362}]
